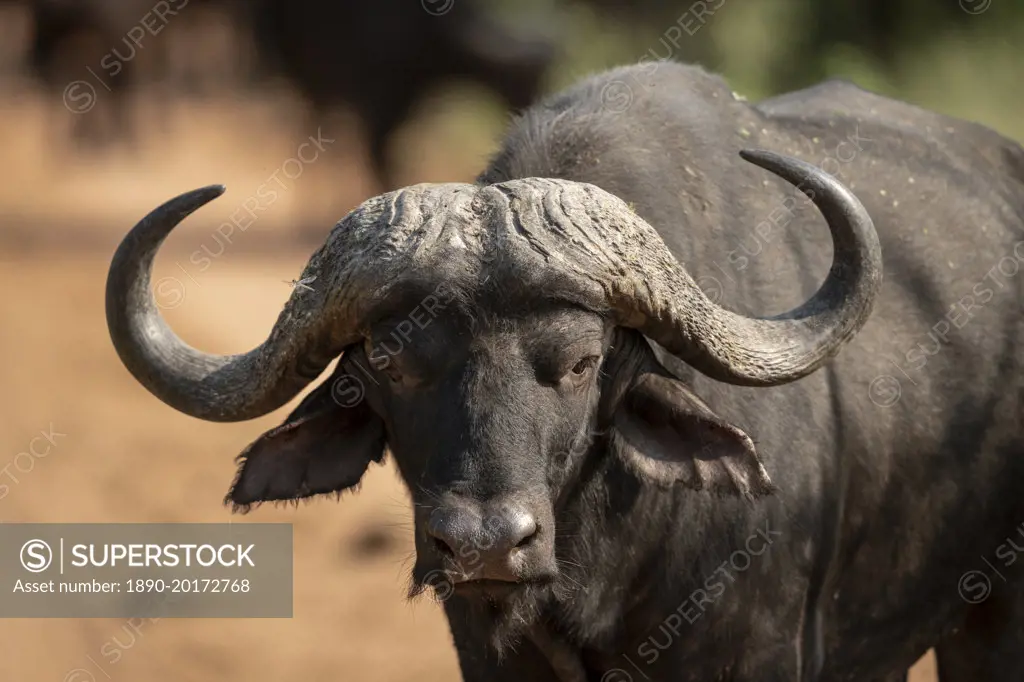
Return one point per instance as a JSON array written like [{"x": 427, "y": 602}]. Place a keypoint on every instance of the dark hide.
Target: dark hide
[
  {"x": 702, "y": 531},
  {"x": 885, "y": 500}
]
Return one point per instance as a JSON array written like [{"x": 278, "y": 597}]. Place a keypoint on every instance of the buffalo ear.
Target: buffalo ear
[
  {"x": 321, "y": 448},
  {"x": 665, "y": 433}
]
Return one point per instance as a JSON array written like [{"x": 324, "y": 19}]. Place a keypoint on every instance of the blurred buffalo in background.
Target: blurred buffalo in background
[
  {"x": 377, "y": 59},
  {"x": 381, "y": 58},
  {"x": 66, "y": 35}
]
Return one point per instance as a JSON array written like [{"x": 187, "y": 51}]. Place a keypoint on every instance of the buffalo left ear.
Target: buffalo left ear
[
  {"x": 667, "y": 434},
  {"x": 322, "y": 448}
]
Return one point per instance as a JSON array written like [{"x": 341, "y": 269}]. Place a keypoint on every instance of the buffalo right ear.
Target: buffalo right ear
[{"x": 322, "y": 448}]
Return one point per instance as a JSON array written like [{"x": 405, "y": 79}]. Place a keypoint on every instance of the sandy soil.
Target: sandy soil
[{"x": 129, "y": 458}]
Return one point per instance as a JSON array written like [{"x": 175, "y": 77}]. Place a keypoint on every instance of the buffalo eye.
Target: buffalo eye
[{"x": 584, "y": 365}]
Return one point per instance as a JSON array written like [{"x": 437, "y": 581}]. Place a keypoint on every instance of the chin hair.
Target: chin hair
[
  {"x": 513, "y": 617},
  {"x": 507, "y": 619}
]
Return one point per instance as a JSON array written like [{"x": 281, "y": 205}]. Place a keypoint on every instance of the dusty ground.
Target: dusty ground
[{"x": 129, "y": 458}]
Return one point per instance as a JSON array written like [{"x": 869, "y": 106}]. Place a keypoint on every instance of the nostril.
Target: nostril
[
  {"x": 439, "y": 534},
  {"x": 528, "y": 540},
  {"x": 451, "y": 528},
  {"x": 443, "y": 547},
  {"x": 525, "y": 531}
]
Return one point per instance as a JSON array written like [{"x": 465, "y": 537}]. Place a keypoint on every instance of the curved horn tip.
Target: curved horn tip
[
  {"x": 754, "y": 154},
  {"x": 211, "y": 191},
  {"x": 187, "y": 202},
  {"x": 205, "y": 194},
  {"x": 768, "y": 159},
  {"x": 783, "y": 165}
]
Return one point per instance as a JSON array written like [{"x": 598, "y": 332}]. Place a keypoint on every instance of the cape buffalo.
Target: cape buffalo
[{"x": 614, "y": 476}]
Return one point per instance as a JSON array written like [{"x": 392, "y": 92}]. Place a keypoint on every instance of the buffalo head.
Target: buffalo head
[{"x": 494, "y": 339}]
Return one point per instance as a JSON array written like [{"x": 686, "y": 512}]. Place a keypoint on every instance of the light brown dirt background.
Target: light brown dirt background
[{"x": 129, "y": 458}]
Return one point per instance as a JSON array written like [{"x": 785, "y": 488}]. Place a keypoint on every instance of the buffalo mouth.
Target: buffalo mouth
[
  {"x": 444, "y": 583},
  {"x": 490, "y": 586},
  {"x": 503, "y": 592}
]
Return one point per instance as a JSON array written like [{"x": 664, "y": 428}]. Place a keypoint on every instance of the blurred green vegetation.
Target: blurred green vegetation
[{"x": 964, "y": 58}]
